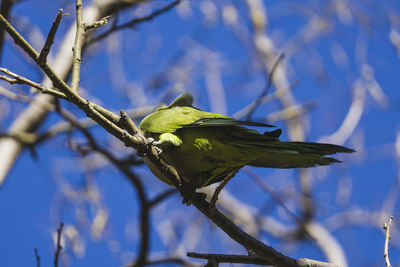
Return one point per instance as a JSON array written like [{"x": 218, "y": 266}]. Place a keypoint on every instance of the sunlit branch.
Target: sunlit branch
[
  {"x": 50, "y": 37},
  {"x": 17, "y": 79},
  {"x": 386, "y": 227},
  {"x": 224, "y": 258},
  {"x": 77, "y": 53}
]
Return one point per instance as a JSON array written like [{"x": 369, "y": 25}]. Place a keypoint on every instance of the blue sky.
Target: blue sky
[{"x": 119, "y": 73}]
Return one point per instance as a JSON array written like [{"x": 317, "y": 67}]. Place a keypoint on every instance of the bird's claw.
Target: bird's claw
[
  {"x": 188, "y": 200},
  {"x": 158, "y": 150},
  {"x": 155, "y": 144},
  {"x": 189, "y": 194}
]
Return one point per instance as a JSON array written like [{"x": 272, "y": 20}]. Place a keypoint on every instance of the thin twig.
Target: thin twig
[
  {"x": 59, "y": 247},
  {"x": 86, "y": 123},
  {"x": 386, "y": 227},
  {"x": 21, "y": 42},
  {"x": 50, "y": 37},
  {"x": 266, "y": 88},
  {"x": 37, "y": 257},
  {"x": 127, "y": 123},
  {"x": 134, "y": 22},
  {"x": 17, "y": 79},
  {"x": 77, "y": 55},
  {"x": 219, "y": 188},
  {"x": 274, "y": 195},
  {"x": 263, "y": 100},
  {"x": 96, "y": 24}
]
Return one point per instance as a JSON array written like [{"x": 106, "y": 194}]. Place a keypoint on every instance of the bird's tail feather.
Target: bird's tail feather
[{"x": 296, "y": 154}]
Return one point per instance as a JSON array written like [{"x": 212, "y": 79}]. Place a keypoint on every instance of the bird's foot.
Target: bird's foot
[
  {"x": 196, "y": 195},
  {"x": 155, "y": 144},
  {"x": 189, "y": 194}
]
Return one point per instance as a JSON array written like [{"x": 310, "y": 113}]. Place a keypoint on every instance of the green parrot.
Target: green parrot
[{"x": 205, "y": 147}]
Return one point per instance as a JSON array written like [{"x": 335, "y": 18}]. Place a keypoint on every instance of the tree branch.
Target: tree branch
[
  {"x": 37, "y": 257},
  {"x": 136, "y": 21},
  {"x": 386, "y": 227},
  {"x": 22, "y": 80},
  {"x": 264, "y": 93},
  {"x": 58, "y": 245},
  {"x": 266, "y": 252},
  {"x": 32, "y": 117},
  {"x": 50, "y": 37},
  {"x": 77, "y": 55},
  {"x": 220, "y": 258}
]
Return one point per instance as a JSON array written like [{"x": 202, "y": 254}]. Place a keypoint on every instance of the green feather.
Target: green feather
[
  {"x": 214, "y": 122},
  {"x": 205, "y": 147}
]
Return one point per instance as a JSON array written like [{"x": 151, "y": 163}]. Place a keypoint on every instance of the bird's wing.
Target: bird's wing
[
  {"x": 224, "y": 122},
  {"x": 171, "y": 119}
]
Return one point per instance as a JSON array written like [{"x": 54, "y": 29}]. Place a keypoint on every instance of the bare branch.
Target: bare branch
[
  {"x": 58, "y": 245},
  {"x": 386, "y": 227},
  {"x": 77, "y": 55},
  {"x": 267, "y": 51},
  {"x": 86, "y": 123},
  {"x": 32, "y": 117},
  {"x": 267, "y": 98},
  {"x": 266, "y": 252},
  {"x": 127, "y": 123},
  {"x": 136, "y": 21},
  {"x": 264, "y": 93},
  {"x": 37, "y": 257},
  {"x": 219, "y": 258},
  {"x": 50, "y": 37},
  {"x": 18, "y": 39},
  {"x": 22, "y": 80},
  {"x": 96, "y": 24},
  {"x": 221, "y": 186},
  {"x": 91, "y": 109}
]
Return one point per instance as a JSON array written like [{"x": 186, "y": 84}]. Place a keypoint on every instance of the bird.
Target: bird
[{"x": 204, "y": 148}]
